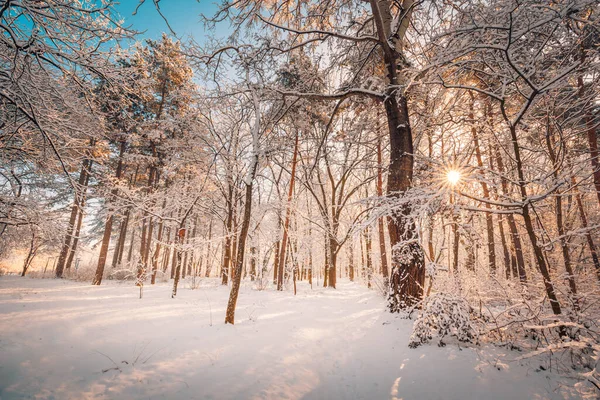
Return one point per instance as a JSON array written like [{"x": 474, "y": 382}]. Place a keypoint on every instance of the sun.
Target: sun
[{"x": 453, "y": 176}]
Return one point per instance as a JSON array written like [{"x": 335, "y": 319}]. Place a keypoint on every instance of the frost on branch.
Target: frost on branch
[{"x": 443, "y": 315}]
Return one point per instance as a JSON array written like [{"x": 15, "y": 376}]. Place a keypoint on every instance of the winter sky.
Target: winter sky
[{"x": 183, "y": 17}]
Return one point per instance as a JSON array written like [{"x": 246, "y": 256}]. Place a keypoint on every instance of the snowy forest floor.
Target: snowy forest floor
[{"x": 67, "y": 340}]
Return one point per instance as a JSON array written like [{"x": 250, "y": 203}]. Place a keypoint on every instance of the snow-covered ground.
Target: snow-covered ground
[{"x": 68, "y": 340}]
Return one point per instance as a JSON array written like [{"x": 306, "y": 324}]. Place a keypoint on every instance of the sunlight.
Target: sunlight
[{"x": 453, "y": 176}]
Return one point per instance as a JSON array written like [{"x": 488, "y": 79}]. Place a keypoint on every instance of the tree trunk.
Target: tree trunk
[
  {"x": 369, "y": 258},
  {"x": 380, "y": 222},
  {"x": 539, "y": 255},
  {"x": 351, "y": 261},
  {"x": 591, "y": 131},
  {"x": 252, "y": 170},
  {"x": 208, "y": 246},
  {"x": 489, "y": 221},
  {"x": 79, "y": 223},
  {"x": 408, "y": 265},
  {"x": 108, "y": 225},
  {"x": 558, "y": 213},
  {"x": 333, "y": 250},
  {"x": 455, "y": 238},
  {"x": 30, "y": 254},
  {"x": 288, "y": 212},
  {"x": 177, "y": 258},
  {"x": 166, "y": 257},
  {"x": 505, "y": 252},
  {"x": 118, "y": 256},
  {"x": 156, "y": 254},
  {"x": 234, "y": 238},
  {"x": 588, "y": 235},
  {"x": 512, "y": 225},
  {"x": 79, "y": 193},
  {"x": 235, "y": 286},
  {"x": 228, "y": 233}
]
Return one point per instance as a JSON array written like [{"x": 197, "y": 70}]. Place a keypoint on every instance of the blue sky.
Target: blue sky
[{"x": 183, "y": 16}]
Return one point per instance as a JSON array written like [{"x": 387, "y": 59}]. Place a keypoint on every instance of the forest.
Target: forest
[{"x": 343, "y": 184}]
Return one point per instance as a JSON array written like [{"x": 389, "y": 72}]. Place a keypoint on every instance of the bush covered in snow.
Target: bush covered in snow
[{"x": 443, "y": 315}]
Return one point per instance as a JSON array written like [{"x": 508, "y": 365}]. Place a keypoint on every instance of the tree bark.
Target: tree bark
[
  {"x": 558, "y": 213},
  {"x": 253, "y": 168},
  {"x": 584, "y": 225},
  {"x": 539, "y": 255},
  {"x": 228, "y": 228},
  {"x": 108, "y": 225},
  {"x": 79, "y": 193},
  {"x": 592, "y": 135},
  {"x": 156, "y": 254},
  {"x": 367, "y": 234},
  {"x": 486, "y": 192},
  {"x": 380, "y": 221},
  {"x": 79, "y": 221},
  {"x": 408, "y": 266},
  {"x": 512, "y": 225},
  {"x": 288, "y": 212},
  {"x": 177, "y": 258},
  {"x": 208, "y": 247}
]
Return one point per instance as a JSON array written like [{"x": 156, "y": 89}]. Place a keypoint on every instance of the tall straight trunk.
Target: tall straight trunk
[
  {"x": 288, "y": 212},
  {"x": 539, "y": 255},
  {"x": 584, "y": 225},
  {"x": 351, "y": 261},
  {"x": 120, "y": 246},
  {"x": 512, "y": 225},
  {"x": 252, "y": 170},
  {"x": 131, "y": 244},
  {"x": 235, "y": 286},
  {"x": 185, "y": 254},
  {"x": 592, "y": 135},
  {"x": 239, "y": 263},
  {"x": 489, "y": 221},
  {"x": 108, "y": 225},
  {"x": 234, "y": 238},
  {"x": 156, "y": 255},
  {"x": 62, "y": 258},
  {"x": 333, "y": 251},
  {"x": 310, "y": 244},
  {"x": 369, "y": 258},
  {"x": 558, "y": 213},
  {"x": 228, "y": 233},
  {"x": 362, "y": 254},
  {"x": 191, "y": 260},
  {"x": 505, "y": 252},
  {"x": 276, "y": 261},
  {"x": 141, "y": 265},
  {"x": 148, "y": 245},
  {"x": 177, "y": 258},
  {"x": 455, "y": 240},
  {"x": 380, "y": 222},
  {"x": 176, "y": 254},
  {"x": 430, "y": 248},
  {"x": 310, "y": 267},
  {"x": 208, "y": 248},
  {"x": 326, "y": 267},
  {"x": 125, "y": 224},
  {"x": 509, "y": 265},
  {"x": 407, "y": 276},
  {"x": 253, "y": 263},
  {"x": 147, "y": 227},
  {"x": 166, "y": 257},
  {"x": 430, "y": 240},
  {"x": 75, "y": 243}
]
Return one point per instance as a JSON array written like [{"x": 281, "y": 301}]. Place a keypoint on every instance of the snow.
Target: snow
[{"x": 68, "y": 340}]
